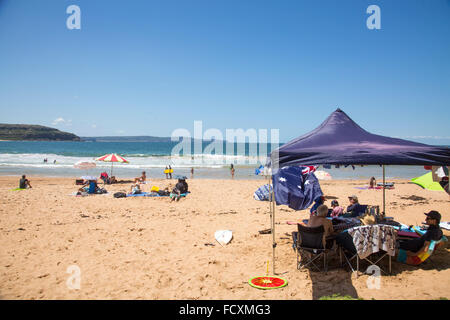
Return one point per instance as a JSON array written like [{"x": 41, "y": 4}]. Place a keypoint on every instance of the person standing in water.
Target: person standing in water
[
  {"x": 192, "y": 172},
  {"x": 232, "y": 171},
  {"x": 170, "y": 172}
]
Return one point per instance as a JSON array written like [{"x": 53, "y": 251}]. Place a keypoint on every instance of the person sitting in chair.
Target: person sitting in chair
[
  {"x": 141, "y": 179},
  {"x": 320, "y": 219},
  {"x": 353, "y": 209},
  {"x": 24, "y": 183},
  {"x": 337, "y": 209},
  {"x": 434, "y": 232},
  {"x": 104, "y": 176}
]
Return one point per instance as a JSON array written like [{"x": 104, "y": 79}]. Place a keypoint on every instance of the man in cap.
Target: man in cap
[
  {"x": 414, "y": 246},
  {"x": 353, "y": 210}
]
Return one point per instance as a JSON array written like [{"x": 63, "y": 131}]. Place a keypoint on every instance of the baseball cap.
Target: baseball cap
[{"x": 433, "y": 214}]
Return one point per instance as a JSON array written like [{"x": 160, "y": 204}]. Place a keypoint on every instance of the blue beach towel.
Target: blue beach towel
[{"x": 151, "y": 194}]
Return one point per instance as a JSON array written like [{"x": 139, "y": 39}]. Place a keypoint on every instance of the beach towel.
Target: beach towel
[
  {"x": 17, "y": 189},
  {"x": 373, "y": 238},
  {"x": 263, "y": 193},
  {"x": 151, "y": 194}
]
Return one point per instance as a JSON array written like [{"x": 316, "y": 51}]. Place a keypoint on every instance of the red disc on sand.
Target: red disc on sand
[{"x": 267, "y": 282}]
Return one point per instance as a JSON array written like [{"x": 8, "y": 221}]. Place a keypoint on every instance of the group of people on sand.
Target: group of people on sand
[
  {"x": 319, "y": 213},
  {"x": 352, "y": 210},
  {"x": 180, "y": 189}
]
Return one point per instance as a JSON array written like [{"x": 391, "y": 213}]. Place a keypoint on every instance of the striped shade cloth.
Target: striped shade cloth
[{"x": 112, "y": 158}]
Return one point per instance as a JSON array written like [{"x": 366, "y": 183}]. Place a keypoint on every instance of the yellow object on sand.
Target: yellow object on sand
[{"x": 154, "y": 188}]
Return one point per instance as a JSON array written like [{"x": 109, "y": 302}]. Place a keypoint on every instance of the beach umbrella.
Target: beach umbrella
[
  {"x": 323, "y": 175},
  {"x": 112, "y": 157},
  {"x": 85, "y": 165}
]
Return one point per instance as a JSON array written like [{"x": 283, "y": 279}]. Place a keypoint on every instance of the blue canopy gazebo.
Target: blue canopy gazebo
[{"x": 341, "y": 141}]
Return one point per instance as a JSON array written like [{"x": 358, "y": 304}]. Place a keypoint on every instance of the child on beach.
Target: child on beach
[{"x": 337, "y": 209}]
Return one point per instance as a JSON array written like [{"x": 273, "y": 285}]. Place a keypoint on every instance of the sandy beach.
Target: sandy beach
[{"x": 150, "y": 248}]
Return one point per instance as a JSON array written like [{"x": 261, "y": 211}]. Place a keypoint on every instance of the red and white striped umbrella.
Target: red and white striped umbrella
[{"x": 112, "y": 157}]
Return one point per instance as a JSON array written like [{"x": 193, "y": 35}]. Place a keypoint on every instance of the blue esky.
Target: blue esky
[{"x": 144, "y": 67}]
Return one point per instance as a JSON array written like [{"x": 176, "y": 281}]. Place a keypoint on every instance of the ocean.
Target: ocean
[{"x": 27, "y": 157}]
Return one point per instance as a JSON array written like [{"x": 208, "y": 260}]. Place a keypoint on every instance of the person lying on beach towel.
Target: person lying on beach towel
[{"x": 24, "y": 183}]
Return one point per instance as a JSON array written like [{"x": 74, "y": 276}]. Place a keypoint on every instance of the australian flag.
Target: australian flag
[{"x": 296, "y": 187}]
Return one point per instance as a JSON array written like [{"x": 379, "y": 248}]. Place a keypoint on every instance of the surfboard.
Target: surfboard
[{"x": 223, "y": 237}]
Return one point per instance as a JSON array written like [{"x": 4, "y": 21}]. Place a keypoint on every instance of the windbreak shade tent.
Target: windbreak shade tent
[
  {"x": 341, "y": 141},
  {"x": 426, "y": 182}
]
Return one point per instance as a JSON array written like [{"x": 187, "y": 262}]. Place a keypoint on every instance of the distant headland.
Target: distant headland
[{"x": 29, "y": 132}]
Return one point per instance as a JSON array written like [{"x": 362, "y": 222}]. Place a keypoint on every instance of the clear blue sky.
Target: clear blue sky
[{"x": 143, "y": 67}]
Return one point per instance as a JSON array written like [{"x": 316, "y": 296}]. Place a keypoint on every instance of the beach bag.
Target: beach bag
[{"x": 120, "y": 195}]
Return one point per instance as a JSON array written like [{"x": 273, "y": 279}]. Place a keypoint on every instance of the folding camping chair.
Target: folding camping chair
[
  {"x": 310, "y": 247},
  {"x": 349, "y": 252},
  {"x": 422, "y": 256}
]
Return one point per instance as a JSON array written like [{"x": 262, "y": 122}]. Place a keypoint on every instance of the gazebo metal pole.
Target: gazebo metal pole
[
  {"x": 384, "y": 192},
  {"x": 273, "y": 231}
]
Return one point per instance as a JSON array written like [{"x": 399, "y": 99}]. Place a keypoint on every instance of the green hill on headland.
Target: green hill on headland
[{"x": 34, "y": 132}]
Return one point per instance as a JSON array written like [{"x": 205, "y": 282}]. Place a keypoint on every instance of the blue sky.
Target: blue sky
[{"x": 143, "y": 67}]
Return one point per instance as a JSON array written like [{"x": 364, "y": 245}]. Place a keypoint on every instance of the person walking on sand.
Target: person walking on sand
[
  {"x": 192, "y": 172},
  {"x": 170, "y": 172},
  {"x": 232, "y": 171},
  {"x": 166, "y": 171}
]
